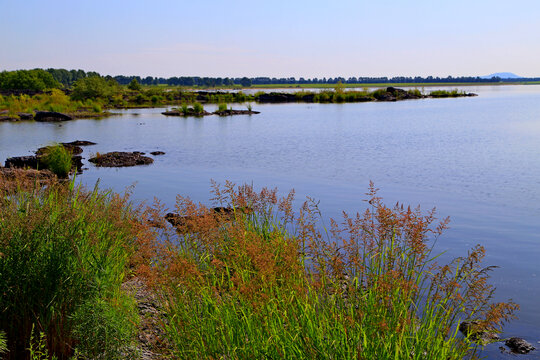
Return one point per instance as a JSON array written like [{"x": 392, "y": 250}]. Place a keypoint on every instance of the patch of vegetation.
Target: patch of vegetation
[
  {"x": 33, "y": 80},
  {"x": 57, "y": 159},
  {"x": 3, "y": 343},
  {"x": 252, "y": 280},
  {"x": 267, "y": 283},
  {"x": 134, "y": 85},
  {"x": 95, "y": 87},
  {"x": 446, "y": 93},
  {"x": 104, "y": 329},
  {"x": 64, "y": 253},
  {"x": 198, "y": 108}
]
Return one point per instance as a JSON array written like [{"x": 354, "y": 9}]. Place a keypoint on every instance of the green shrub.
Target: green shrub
[
  {"x": 198, "y": 108},
  {"x": 415, "y": 92},
  {"x": 222, "y": 107},
  {"x": 140, "y": 99},
  {"x": 134, "y": 85},
  {"x": 94, "y": 87},
  {"x": 58, "y": 160},
  {"x": 184, "y": 109},
  {"x": 97, "y": 108},
  {"x": 155, "y": 99}
]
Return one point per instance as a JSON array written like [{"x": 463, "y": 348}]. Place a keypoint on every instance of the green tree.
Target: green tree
[
  {"x": 245, "y": 82},
  {"x": 94, "y": 87},
  {"x": 36, "y": 80},
  {"x": 134, "y": 85}
]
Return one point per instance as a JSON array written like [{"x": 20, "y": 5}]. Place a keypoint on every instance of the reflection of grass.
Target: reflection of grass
[{"x": 268, "y": 284}]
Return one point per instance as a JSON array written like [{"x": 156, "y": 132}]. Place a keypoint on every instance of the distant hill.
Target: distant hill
[{"x": 502, "y": 75}]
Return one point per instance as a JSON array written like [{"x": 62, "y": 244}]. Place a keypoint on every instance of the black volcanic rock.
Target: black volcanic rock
[
  {"x": 519, "y": 346},
  {"x": 44, "y": 116},
  {"x": 121, "y": 159}
]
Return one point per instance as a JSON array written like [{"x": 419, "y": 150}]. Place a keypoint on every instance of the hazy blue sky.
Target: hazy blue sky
[{"x": 273, "y": 38}]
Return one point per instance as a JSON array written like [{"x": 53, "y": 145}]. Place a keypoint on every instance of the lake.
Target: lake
[{"x": 476, "y": 159}]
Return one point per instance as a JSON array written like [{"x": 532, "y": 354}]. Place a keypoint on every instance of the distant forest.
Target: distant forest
[
  {"x": 68, "y": 77},
  {"x": 38, "y": 79}
]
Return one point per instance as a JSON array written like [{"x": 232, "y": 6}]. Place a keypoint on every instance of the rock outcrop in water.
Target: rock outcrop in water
[
  {"x": 519, "y": 346},
  {"x": 44, "y": 116},
  {"x": 188, "y": 112},
  {"x": 480, "y": 336},
  {"x": 21, "y": 162},
  {"x": 34, "y": 161},
  {"x": 218, "y": 215},
  {"x": 121, "y": 159}
]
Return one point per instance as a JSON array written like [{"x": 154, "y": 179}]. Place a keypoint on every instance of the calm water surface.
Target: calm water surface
[{"x": 476, "y": 159}]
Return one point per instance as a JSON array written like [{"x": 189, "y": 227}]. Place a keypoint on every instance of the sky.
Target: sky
[{"x": 237, "y": 38}]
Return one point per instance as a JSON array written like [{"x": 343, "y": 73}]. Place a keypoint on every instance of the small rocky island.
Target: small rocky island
[
  {"x": 121, "y": 159},
  {"x": 226, "y": 112}
]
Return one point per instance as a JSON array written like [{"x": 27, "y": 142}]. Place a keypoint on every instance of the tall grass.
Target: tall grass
[
  {"x": 446, "y": 93},
  {"x": 253, "y": 280},
  {"x": 64, "y": 253},
  {"x": 55, "y": 100},
  {"x": 269, "y": 284}
]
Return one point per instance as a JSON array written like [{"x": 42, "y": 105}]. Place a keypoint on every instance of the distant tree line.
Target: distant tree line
[
  {"x": 39, "y": 80},
  {"x": 246, "y": 82}
]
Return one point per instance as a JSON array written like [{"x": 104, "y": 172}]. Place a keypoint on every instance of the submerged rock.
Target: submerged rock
[
  {"x": 157, "y": 153},
  {"x": 73, "y": 149},
  {"x": 477, "y": 334},
  {"x": 519, "y": 346},
  {"x": 121, "y": 159},
  {"x": 216, "y": 216},
  {"x": 44, "y": 116}
]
